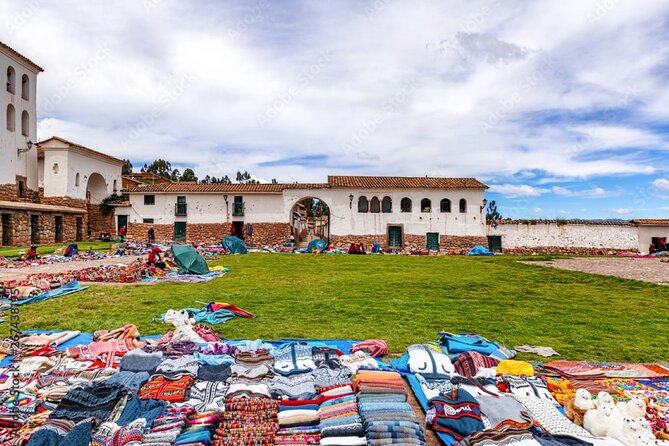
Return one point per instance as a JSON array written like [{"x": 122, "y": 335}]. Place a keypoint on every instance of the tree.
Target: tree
[
  {"x": 188, "y": 175},
  {"x": 206, "y": 180},
  {"x": 225, "y": 180},
  {"x": 245, "y": 178},
  {"x": 175, "y": 175},
  {"x": 274, "y": 181},
  {"x": 127, "y": 167},
  {"x": 491, "y": 212},
  {"x": 160, "y": 167}
]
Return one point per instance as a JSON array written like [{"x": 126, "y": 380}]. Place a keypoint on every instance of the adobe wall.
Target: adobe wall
[{"x": 569, "y": 238}]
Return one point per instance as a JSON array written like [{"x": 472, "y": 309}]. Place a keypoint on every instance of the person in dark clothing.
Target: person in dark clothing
[{"x": 152, "y": 235}]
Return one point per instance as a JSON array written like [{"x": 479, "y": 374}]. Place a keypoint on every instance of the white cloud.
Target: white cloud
[
  {"x": 661, "y": 185},
  {"x": 538, "y": 210},
  {"x": 424, "y": 95},
  {"x": 517, "y": 190},
  {"x": 595, "y": 192},
  {"x": 621, "y": 211}
]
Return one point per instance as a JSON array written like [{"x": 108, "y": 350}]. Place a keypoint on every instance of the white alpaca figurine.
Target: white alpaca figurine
[
  {"x": 603, "y": 398},
  {"x": 634, "y": 408},
  {"x": 599, "y": 421},
  {"x": 583, "y": 400}
]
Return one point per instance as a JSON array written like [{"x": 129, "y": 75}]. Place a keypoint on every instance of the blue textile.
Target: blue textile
[
  {"x": 217, "y": 317},
  {"x": 479, "y": 250},
  {"x": 69, "y": 288}
]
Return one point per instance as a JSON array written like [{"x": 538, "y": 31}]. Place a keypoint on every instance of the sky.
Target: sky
[{"x": 560, "y": 106}]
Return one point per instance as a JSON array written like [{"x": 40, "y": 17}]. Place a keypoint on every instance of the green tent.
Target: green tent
[
  {"x": 316, "y": 245},
  {"x": 234, "y": 245},
  {"x": 189, "y": 260}
]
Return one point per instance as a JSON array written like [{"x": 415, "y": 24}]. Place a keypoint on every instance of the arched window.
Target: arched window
[
  {"x": 11, "y": 118},
  {"x": 363, "y": 204},
  {"x": 405, "y": 204},
  {"x": 425, "y": 205},
  {"x": 76, "y": 180},
  {"x": 25, "y": 87},
  {"x": 387, "y": 205},
  {"x": 445, "y": 205},
  {"x": 11, "y": 80},
  {"x": 25, "y": 123},
  {"x": 375, "y": 205},
  {"x": 463, "y": 205}
]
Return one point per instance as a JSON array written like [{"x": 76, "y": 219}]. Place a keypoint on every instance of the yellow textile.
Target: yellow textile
[
  {"x": 515, "y": 368},
  {"x": 217, "y": 268}
]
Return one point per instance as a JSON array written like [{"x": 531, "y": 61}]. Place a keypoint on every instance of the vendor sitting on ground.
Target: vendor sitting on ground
[
  {"x": 32, "y": 253},
  {"x": 155, "y": 260},
  {"x": 22, "y": 256}
]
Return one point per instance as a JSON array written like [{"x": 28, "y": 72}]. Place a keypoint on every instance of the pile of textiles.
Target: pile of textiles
[
  {"x": 114, "y": 387},
  {"x": 472, "y": 396},
  {"x": 387, "y": 416},
  {"x": 50, "y": 259},
  {"x": 118, "y": 273}
]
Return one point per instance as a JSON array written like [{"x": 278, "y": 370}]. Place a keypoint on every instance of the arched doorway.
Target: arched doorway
[
  {"x": 96, "y": 189},
  {"x": 310, "y": 219}
]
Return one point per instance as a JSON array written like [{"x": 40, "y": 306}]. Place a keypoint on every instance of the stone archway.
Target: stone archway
[
  {"x": 310, "y": 219},
  {"x": 96, "y": 189}
]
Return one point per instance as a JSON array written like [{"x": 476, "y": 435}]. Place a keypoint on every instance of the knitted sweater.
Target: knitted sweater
[{"x": 293, "y": 358}]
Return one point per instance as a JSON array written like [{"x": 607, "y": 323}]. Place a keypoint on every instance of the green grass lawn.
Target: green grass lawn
[
  {"x": 401, "y": 299},
  {"x": 50, "y": 249}
]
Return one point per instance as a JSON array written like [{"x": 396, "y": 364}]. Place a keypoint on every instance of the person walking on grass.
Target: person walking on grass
[{"x": 121, "y": 233}]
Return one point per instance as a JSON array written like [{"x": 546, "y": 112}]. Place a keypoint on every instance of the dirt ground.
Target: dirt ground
[
  {"x": 645, "y": 269},
  {"x": 22, "y": 273}
]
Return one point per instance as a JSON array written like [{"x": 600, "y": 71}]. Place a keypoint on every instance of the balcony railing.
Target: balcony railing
[
  {"x": 180, "y": 209},
  {"x": 238, "y": 209}
]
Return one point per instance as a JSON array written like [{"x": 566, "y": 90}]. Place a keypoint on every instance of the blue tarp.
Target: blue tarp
[
  {"x": 479, "y": 250},
  {"x": 316, "y": 245},
  {"x": 69, "y": 288},
  {"x": 234, "y": 245}
]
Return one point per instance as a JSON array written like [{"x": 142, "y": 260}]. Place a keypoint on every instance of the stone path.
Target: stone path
[
  {"x": 647, "y": 270},
  {"x": 22, "y": 273}
]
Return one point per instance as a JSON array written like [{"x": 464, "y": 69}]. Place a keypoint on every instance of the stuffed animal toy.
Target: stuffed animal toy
[
  {"x": 577, "y": 405},
  {"x": 603, "y": 398},
  {"x": 599, "y": 421},
  {"x": 634, "y": 408}
]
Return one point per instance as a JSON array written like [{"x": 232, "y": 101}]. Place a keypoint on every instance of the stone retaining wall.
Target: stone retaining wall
[
  {"x": 21, "y": 230},
  {"x": 10, "y": 192},
  {"x": 269, "y": 234},
  {"x": 264, "y": 234},
  {"x": 412, "y": 242},
  {"x": 98, "y": 222}
]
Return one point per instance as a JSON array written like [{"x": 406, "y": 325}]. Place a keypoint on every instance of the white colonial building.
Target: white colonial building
[
  {"x": 50, "y": 191},
  {"x": 439, "y": 213}
]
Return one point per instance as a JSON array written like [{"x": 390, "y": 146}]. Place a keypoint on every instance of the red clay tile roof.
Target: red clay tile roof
[
  {"x": 405, "y": 182},
  {"x": 182, "y": 187},
  {"x": 20, "y": 56},
  {"x": 333, "y": 181},
  {"x": 40, "y": 150},
  {"x": 651, "y": 221}
]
